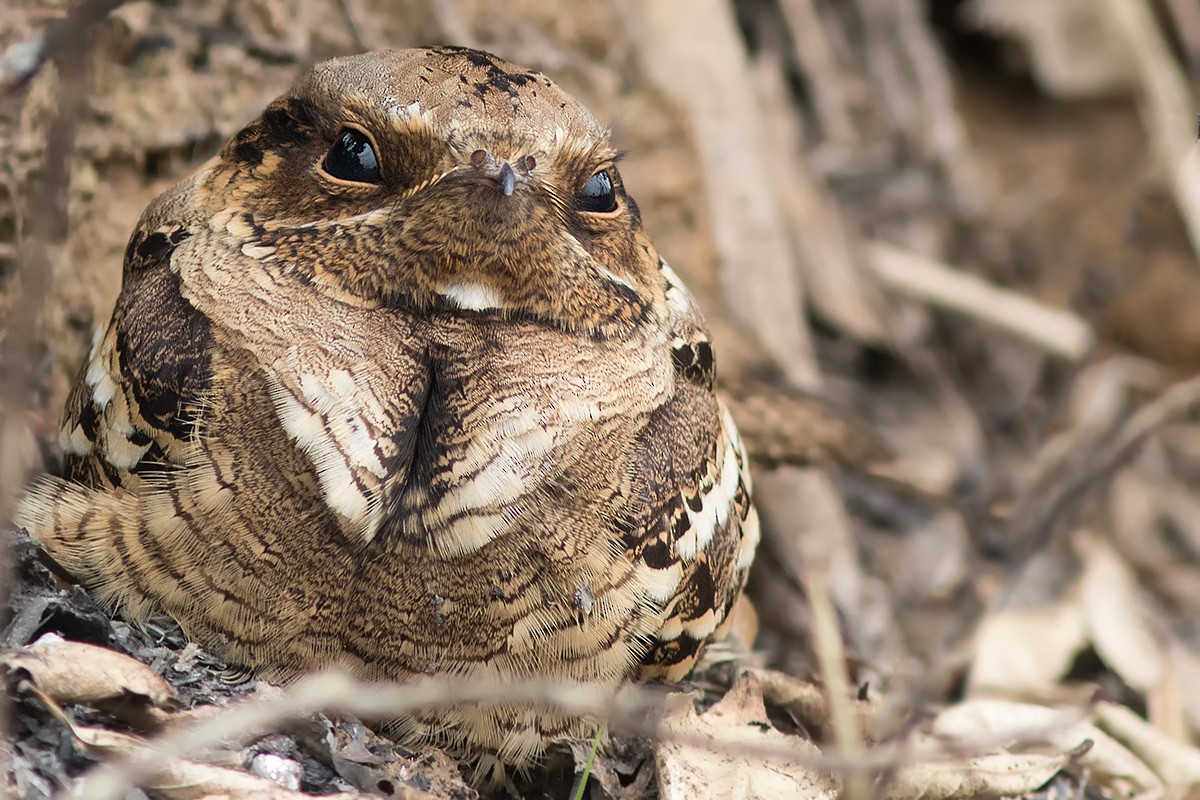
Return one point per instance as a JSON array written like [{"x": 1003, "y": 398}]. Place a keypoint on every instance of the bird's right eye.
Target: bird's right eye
[{"x": 352, "y": 158}]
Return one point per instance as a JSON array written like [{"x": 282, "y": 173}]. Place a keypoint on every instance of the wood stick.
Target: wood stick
[
  {"x": 1167, "y": 110},
  {"x": 1056, "y": 331}
]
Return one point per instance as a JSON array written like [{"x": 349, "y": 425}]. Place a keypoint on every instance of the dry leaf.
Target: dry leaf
[
  {"x": 1113, "y": 766},
  {"x": 171, "y": 777},
  {"x": 1001, "y": 774},
  {"x": 74, "y": 672},
  {"x": 367, "y": 761},
  {"x": 804, "y": 699},
  {"x": 739, "y": 718},
  {"x": 1027, "y": 649},
  {"x": 1116, "y": 617}
]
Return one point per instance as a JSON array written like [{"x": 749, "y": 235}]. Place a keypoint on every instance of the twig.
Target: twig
[
  {"x": 1087, "y": 465},
  {"x": 691, "y": 50},
  {"x": 364, "y": 35},
  {"x": 1058, "y": 332},
  {"x": 1185, "y": 16},
  {"x": 635, "y": 711},
  {"x": 831, "y": 658},
  {"x": 1165, "y": 104},
  {"x": 942, "y": 127},
  {"x": 830, "y": 272},
  {"x": 449, "y": 22},
  {"x": 20, "y": 62},
  {"x": 815, "y": 55}
]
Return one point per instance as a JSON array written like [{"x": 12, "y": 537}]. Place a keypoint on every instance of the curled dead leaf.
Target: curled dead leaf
[
  {"x": 171, "y": 777},
  {"x": 1116, "y": 614},
  {"x": 77, "y": 673},
  {"x": 1027, "y": 649},
  {"x": 804, "y": 699},
  {"x": 370, "y": 763}
]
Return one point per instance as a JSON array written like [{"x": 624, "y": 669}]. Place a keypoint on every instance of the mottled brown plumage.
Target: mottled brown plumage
[{"x": 443, "y": 411}]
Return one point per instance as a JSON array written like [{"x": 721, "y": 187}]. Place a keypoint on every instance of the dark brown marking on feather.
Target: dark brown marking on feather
[
  {"x": 89, "y": 419},
  {"x": 658, "y": 554},
  {"x": 683, "y": 523},
  {"x": 286, "y": 123},
  {"x": 675, "y": 651},
  {"x": 163, "y": 344},
  {"x": 106, "y": 472},
  {"x": 694, "y": 362},
  {"x": 701, "y": 593}
]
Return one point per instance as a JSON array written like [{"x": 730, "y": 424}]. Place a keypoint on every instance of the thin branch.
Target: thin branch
[
  {"x": 831, "y": 656},
  {"x": 825, "y": 80},
  {"x": 1089, "y": 463},
  {"x": 1058, "y": 332},
  {"x": 1166, "y": 106}
]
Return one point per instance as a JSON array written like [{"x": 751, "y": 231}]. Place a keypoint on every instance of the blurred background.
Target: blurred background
[{"x": 962, "y": 226}]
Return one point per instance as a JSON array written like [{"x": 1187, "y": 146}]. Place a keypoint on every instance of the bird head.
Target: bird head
[{"x": 438, "y": 178}]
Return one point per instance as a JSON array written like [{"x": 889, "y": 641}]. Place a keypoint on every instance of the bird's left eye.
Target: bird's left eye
[
  {"x": 598, "y": 195},
  {"x": 353, "y": 159}
]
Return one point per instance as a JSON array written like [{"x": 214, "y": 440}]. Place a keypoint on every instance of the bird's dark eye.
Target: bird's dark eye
[
  {"x": 598, "y": 194},
  {"x": 353, "y": 159}
]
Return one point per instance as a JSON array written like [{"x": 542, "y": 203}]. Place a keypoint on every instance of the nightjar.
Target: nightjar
[{"x": 397, "y": 383}]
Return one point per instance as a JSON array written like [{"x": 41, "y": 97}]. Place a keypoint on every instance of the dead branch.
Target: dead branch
[
  {"x": 1089, "y": 463},
  {"x": 1165, "y": 104},
  {"x": 1058, "y": 332}
]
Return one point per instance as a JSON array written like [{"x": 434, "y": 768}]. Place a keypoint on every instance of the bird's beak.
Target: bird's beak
[
  {"x": 507, "y": 179},
  {"x": 499, "y": 173}
]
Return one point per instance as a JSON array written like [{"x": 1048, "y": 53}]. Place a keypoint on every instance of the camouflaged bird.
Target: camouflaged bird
[{"x": 397, "y": 383}]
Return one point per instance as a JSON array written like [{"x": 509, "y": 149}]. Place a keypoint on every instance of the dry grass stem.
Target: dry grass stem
[{"x": 831, "y": 659}]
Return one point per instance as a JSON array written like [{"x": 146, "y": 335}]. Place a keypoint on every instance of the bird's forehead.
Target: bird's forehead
[{"x": 456, "y": 92}]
